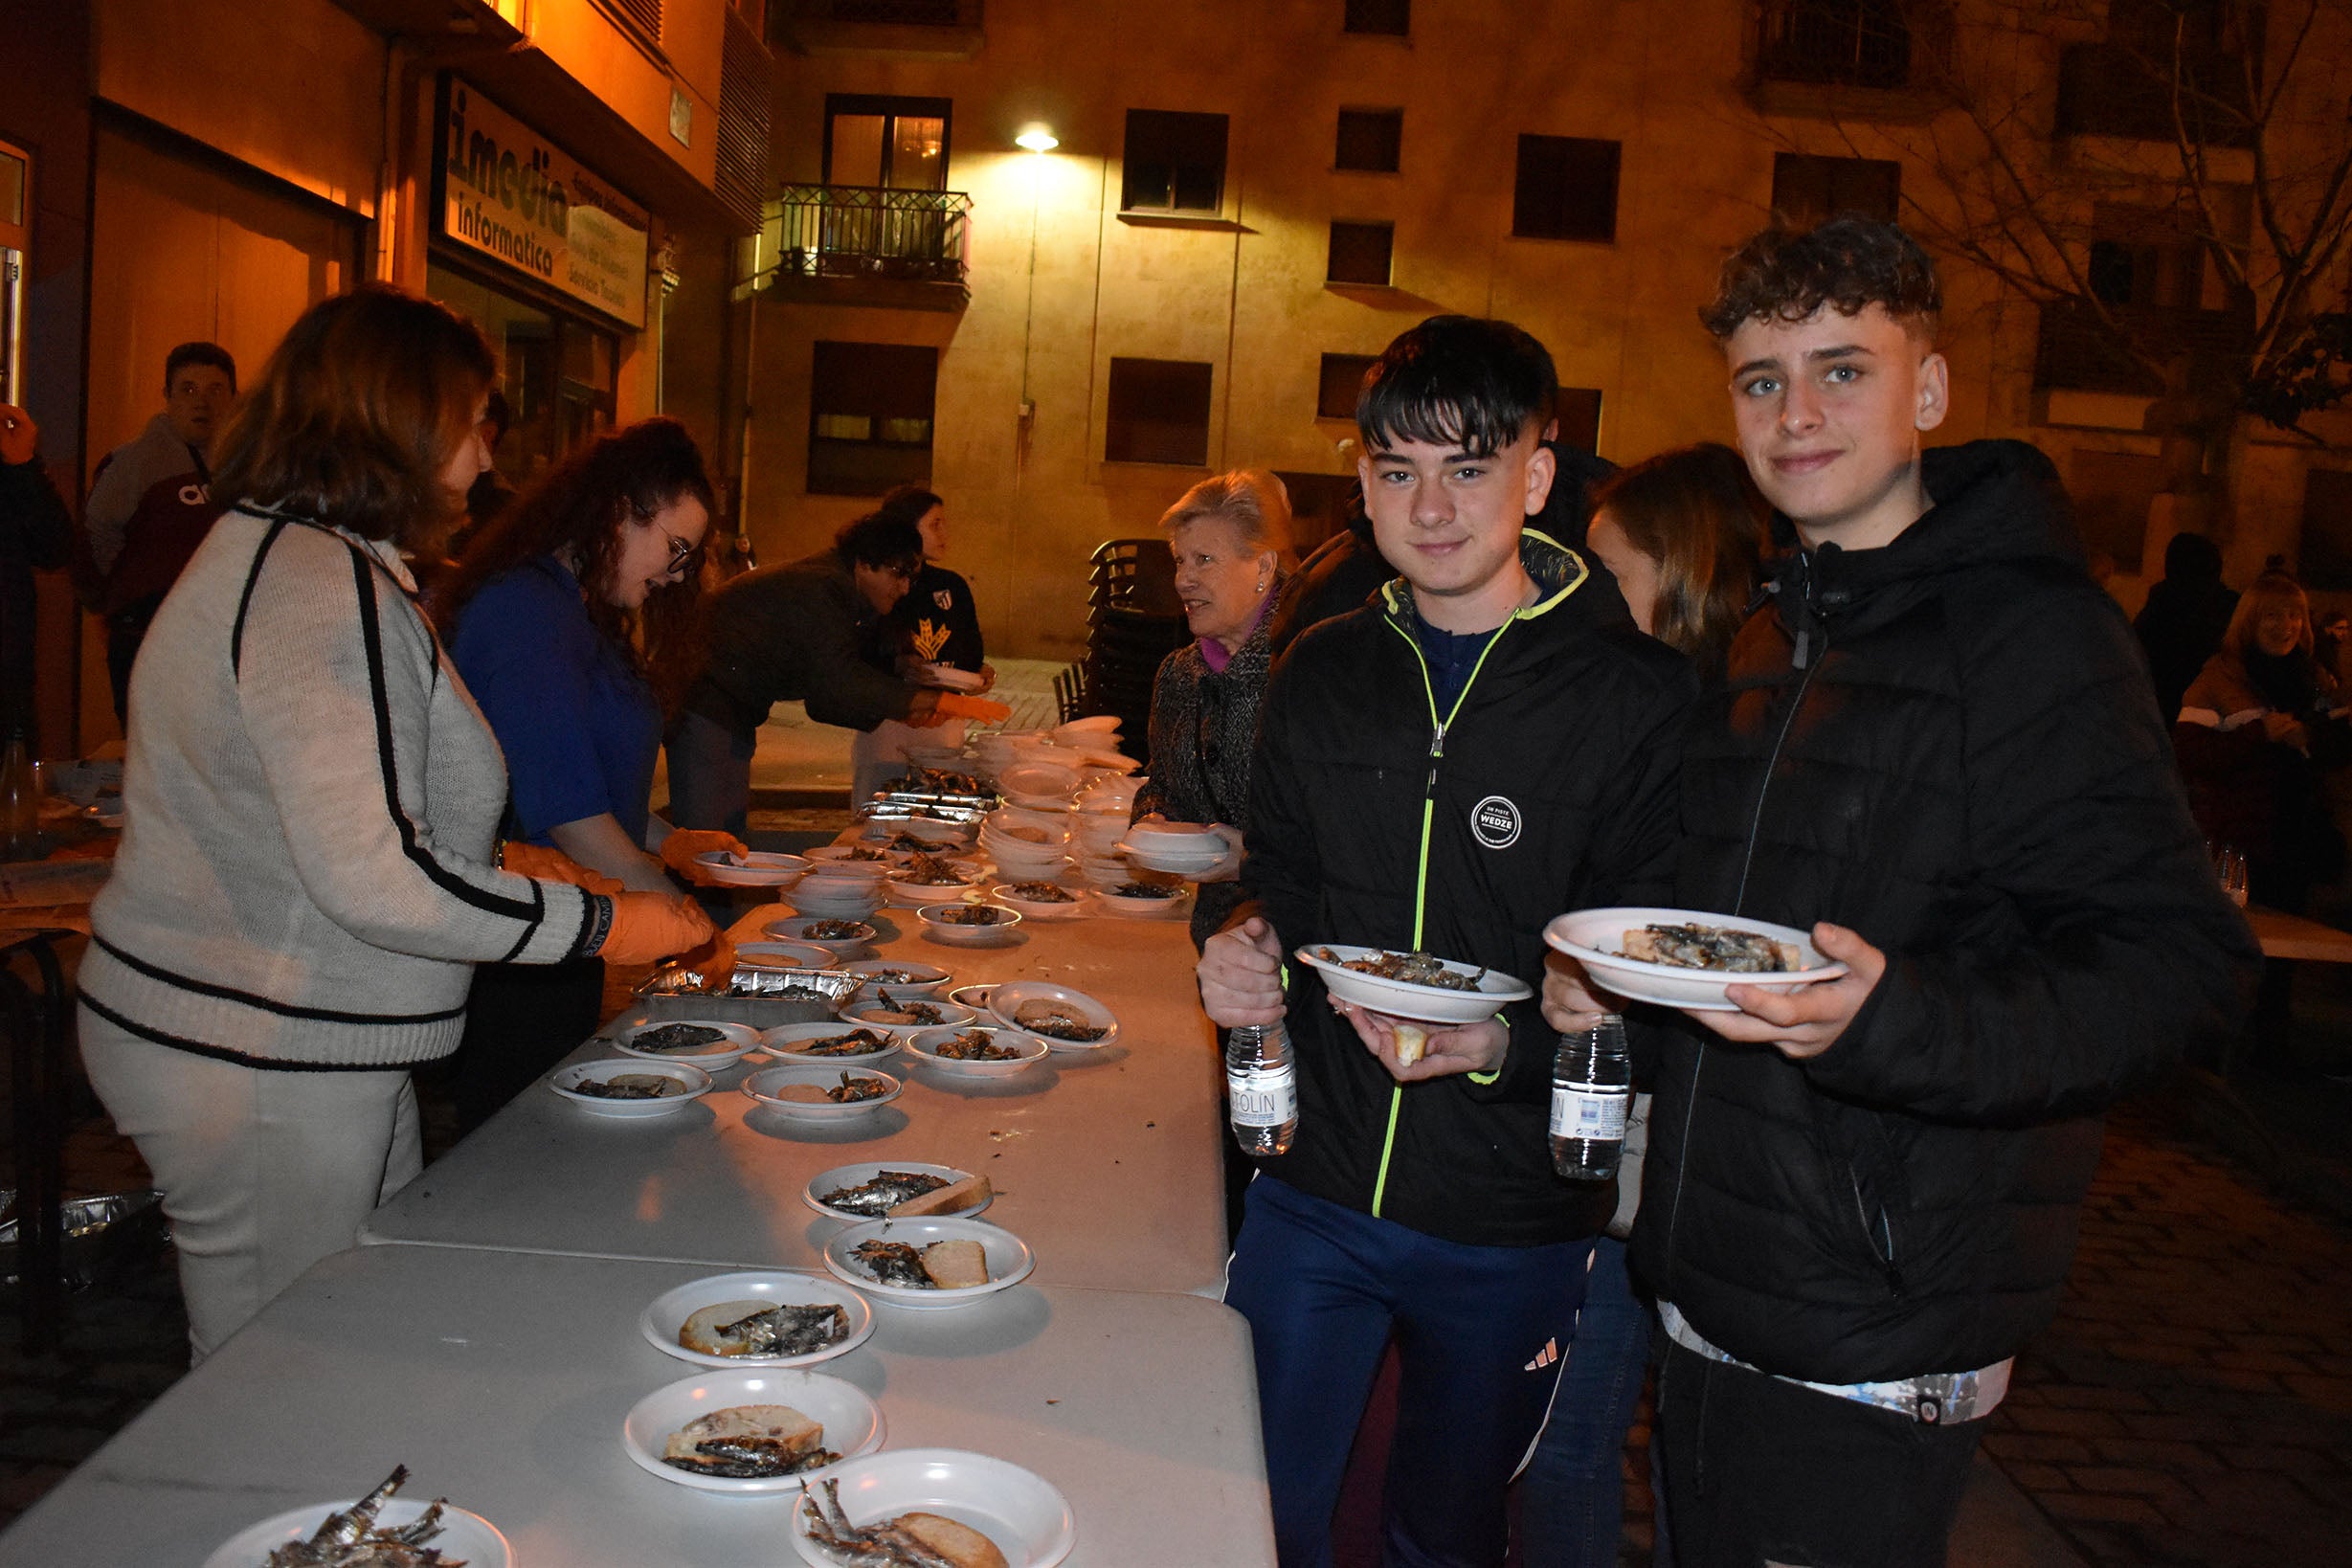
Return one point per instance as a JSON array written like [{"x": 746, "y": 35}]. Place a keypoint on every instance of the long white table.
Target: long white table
[
  {"x": 502, "y": 1378},
  {"x": 1109, "y": 1164}
]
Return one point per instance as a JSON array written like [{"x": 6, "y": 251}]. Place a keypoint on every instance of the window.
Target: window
[
  {"x": 1391, "y": 17},
  {"x": 1174, "y": 162},
  {"x": 2144, "y": 256},
  {"x": 870, "y": 418},
  {"x": 1851, "y": 43},
  {"x": 1372, "y": 140},
  {"x": 1567, "y": 188},
  {"x": 1342, "y": 380},
  {"x": 1577, "y": 411},
  {"x": 1159, "y": 411},
  {"x": 896, "y": 144},
  {"x": 1807, "y": 190},
  {"x": 1360, "y": 253}
]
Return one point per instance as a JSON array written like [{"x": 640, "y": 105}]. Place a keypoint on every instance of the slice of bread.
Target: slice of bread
[
  {"x": 959, "y": 1543},
  {"x": 955, "y": 1265},
  {"x": 700, "y": 1331},
  {"x": 952, "y": 1199},
  {"x": 801, "y": 1093},
  {"x": 781, "y": 1422}
]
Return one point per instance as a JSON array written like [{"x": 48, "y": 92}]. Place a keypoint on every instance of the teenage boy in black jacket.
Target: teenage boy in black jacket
[
  {"x": 1488, "y": 743},
  {"x": 1936, "y": 750}
]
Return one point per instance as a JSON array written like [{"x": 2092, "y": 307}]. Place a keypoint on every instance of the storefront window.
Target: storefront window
[{"x": 558, "y": 372}]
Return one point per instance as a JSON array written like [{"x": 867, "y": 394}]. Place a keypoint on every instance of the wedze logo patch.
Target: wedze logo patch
[{"x": 1496, "y": 821}]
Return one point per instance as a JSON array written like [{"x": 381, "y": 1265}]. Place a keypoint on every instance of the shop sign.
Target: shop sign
[{"x": 508, "y": 192}]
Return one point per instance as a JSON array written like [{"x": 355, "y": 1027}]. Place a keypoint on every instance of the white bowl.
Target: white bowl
[
  {"x": 864, "y": 1171},
  {"x": 931, "y": 830},
  {"x": 948, "y": 678},
  {"x": 780, "y": 1043},
  {"x": 852, "y": 1420},
  {"x": 975, "y": 996},
  {"x": 1049, "y": 779},
  {"x": 798, "y": 929},
  {"x": 667, "y": 1313},
  {"x": 1095, "y": 729},
  {"x": 1596, "y": 937},
  {"x": 1100, "y": 874},
  {"x": 849, "y": 862},
  {"x": 858, "y": 909},
  {"x": 1023, "y": 1516},
  {"x": 738, "y": 1042},
  {"x": 759, "y": 868},
  {"x": 922, "y": 979},
  {"x": 914, "y": 895},
  {"x": 1006, "y": 1001},
  {"x": 1009, "y": 1259},
  {"x": 567, "y": 1080},
  {"x": 784, "y": 956},
  {"x": 1000, "y": 933},
  {"x": 1039, "y": 908},
  {"x": 762, "y": 1086},
  {"x": 465, "y": 1537},
  {"x": 1143, "y": 908},
  {"x": 1405, "y": 999},
  {"x": 1026, "y": 832},
  {"x": 924, "y": 1048},
  {"x": 1055, "y": 823},
  {"x": 950, "y": 1016}
]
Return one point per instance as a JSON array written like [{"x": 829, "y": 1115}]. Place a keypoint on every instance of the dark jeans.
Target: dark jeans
[
  {"x": 1478, "y": 1331},
  {"x": 519, "y": 1021},
  {"x": 710, "y": 774},
  {"x": 1572, "y": 1500},
  {"x": 1758, "y": 1470},
  {"x": 125, "y": 630}
]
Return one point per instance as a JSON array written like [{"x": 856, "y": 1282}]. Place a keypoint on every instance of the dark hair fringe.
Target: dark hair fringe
[
  {"x": 910, "y": 501},
  {"x": 880, "y": 541},
  {"x": 1460, "y": 382},
  {"x": 1845, "y": 263},
  {"x": 357, "y": 414},
  {"x": 582, "y": 505},
  {"x": 199, "y": 352}
]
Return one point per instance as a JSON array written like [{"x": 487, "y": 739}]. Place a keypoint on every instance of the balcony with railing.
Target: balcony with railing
[
  {"x": 1842, "y": 56},
  {"x": 2076, "y": 352},
  {"x": 942, "y": 30},
  {"x": 851, "y": 244},
  {"x": 2106, "y": 89}
]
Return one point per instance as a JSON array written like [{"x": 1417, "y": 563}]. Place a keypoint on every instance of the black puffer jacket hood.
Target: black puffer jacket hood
[{"x": 1949, "y": 745}]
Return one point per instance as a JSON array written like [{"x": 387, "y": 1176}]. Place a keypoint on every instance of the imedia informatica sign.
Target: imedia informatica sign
[{"x": 508, "y": 192}]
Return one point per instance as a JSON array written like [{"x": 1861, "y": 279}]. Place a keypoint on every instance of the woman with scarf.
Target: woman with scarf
[{"x": 1228, "y": 534}]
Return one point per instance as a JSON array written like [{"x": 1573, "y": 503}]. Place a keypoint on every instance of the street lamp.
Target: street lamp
[{"x": 1037, "y": 139}]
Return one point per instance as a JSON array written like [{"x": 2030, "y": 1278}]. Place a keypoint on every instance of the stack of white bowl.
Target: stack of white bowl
[
  {"x": 1040, "y": 785},
  {"x": 840, "y": 889},
  {"x": 1023, "y": 847},
  {"x": 1181, "y": 849}
]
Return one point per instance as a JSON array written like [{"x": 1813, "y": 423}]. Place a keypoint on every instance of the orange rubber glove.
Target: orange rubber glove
[
  {"x": 714, "y": 961},
  {"x": 650, "y": 926},
  {"x": 679, "y": 849},
  {"x": 979, "y": 710},
  {"x": 541, "y": 863}
]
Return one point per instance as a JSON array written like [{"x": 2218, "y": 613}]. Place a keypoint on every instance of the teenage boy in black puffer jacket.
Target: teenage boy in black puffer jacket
[
  {"x": 1487, "y": 743},
  {"x": 1860, "y": 1199}
]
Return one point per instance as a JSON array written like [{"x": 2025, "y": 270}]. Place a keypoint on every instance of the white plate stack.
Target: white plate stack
[
  {"x": 1040, "y": 785},
  {"x": 1023, "y": 847},
  {"x": 840, "y": 889}
]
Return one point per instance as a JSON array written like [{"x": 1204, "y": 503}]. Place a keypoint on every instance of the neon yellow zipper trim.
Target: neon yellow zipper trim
[{"x": 1428, "y": 814}]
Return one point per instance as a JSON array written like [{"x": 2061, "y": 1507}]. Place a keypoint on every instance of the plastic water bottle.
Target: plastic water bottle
[
  {"x": 1592, "y": 1094},
  {"x": 1262, "y": 1082}
]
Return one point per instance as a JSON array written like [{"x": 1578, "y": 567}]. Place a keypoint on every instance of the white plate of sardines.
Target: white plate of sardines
[
  {"x": 927, "y": 1263},
  {"x": 378, "y": 1520},
  {"x": 751, "y": 1429},
  {"x": 707, "y": 1042},
  {"x": 900, "y": 1189},
  {"x": 953, "y": 1506},
  {"x": 1687, "y": 957},
  {"x": 626, "y": 1087},
  {"x": 758, "y": 1319},
  {"x": 1413, "y": 985}
]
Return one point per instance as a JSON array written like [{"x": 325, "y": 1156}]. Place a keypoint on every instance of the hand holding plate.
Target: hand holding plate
[
  {"x": 1465, "y": 1047},
  {"x": 1806, "y": 1023}
]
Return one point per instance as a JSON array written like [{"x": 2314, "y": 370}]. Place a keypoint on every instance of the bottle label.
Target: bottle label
[
  {"x": 1595, "y": 1112},
  {"x": 1263, "y": 1096}
]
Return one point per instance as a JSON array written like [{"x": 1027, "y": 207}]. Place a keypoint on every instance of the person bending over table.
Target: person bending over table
[
  {"x": 569, "y": 616},
  {"x": 1683, "y": 534},
  {"x": 1445, "y": 770},
  {"x": 1227, "y": 534},
  {"x": 934, "y": 622},
  {"x": 306, "y": 878},
  {"x": 798, "y": 632}
]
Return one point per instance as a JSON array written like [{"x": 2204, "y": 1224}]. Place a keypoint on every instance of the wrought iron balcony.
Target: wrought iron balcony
[
  {"x": 946, "y": 29},
  {"x": 842, "y": 241},
  {"x": 892, "y": 13},
  {"x": 1842, "y": 43}
]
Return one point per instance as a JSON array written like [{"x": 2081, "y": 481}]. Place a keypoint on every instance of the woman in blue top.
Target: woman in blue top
[{"x": 567, "y": 616}]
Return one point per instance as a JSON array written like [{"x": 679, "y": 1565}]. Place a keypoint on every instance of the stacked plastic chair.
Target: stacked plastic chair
[{"x": 1133, "y": 620}]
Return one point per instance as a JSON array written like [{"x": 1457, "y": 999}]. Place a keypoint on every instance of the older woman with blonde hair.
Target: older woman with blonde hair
[
  {"x": 310, "y": 869},
  {"x": 1228, "y": 534}
]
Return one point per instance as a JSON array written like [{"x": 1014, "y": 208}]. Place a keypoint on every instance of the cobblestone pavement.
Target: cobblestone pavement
[{"x": 2191, "y": 1405}]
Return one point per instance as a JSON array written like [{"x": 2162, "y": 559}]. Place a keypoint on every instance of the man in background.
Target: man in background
[{"x": 152, "y": 505}]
